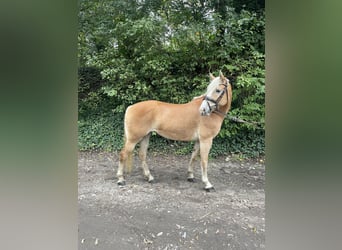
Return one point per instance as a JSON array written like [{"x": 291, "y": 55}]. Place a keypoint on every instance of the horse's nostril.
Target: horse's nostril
[{"x": 202, "y": 112}]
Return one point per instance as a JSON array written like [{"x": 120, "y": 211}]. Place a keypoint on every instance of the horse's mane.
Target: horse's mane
[
  {"x": 213, "y": 85},
  {"x": 198, "y": 97}
]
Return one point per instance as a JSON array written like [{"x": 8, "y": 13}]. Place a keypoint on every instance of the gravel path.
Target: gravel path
[{"x": 171, "y": 213}]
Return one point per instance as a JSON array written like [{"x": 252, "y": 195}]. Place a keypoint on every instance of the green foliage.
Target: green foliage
[
  {"x": 98, "y": 132},
  {"x": 105, "y": 132},
  {"x": 248, "y": 144},
  {"x": 131, "y": 51}
]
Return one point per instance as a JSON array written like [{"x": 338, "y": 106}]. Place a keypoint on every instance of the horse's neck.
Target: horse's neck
[
  {"x": 198, "y": 97},
  {"x": 224, "y": 109},
  {"x": 197, "y": 100}
]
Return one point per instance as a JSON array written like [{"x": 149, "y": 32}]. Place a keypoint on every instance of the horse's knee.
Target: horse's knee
[{"x": 123, "y": 155}]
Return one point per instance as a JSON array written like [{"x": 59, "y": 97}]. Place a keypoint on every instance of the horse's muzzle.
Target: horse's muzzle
[
  {"x": 205, "y": 108},
  {"x": 203, "y": 113}
]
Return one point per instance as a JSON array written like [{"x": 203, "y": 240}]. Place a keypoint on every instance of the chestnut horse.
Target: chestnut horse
[{"x": 199, "y": 120}]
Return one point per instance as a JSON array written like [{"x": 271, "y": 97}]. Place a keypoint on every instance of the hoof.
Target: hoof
[
  {"x": 210, "y": 189},
  {"x": 191, "y": 179},
  {"x": 151, "y": 181},
  {"x": 121, "y": 183}
]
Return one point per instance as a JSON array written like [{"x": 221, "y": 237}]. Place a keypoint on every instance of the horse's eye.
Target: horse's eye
[{"x": 218, "y": 91}]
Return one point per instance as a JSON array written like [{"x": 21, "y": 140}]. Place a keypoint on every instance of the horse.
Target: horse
[{"x": 199, "y": 120}]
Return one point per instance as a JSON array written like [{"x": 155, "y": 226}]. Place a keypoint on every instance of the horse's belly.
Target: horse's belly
[{"x": 177, "y": 135}]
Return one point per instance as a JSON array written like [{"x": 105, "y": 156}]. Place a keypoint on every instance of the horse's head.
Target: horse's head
[{"x": 213, "y": 98}]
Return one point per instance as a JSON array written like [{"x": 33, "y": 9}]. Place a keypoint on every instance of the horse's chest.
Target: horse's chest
[{"x": 209, "y": 129}]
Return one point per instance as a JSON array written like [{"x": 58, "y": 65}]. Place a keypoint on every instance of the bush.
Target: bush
[
  {"x": 98, "y": 132},
  {"x": 105, "y": 132}
]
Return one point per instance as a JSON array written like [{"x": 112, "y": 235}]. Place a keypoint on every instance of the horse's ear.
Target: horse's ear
[
  {"x": 222, "y": 76},
  {"x": 211, "y": 76}
]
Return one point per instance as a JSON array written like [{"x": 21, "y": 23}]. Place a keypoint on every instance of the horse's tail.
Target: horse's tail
[
  {"x": 128, "y": 156},
  {"x": 129, "y": 150},
  {"x": 129, "y": 162}
]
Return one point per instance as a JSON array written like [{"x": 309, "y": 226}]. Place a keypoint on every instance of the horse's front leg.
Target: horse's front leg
[
  {"x": 191, "y": 163},
  {"x": 205, "y": 146}
]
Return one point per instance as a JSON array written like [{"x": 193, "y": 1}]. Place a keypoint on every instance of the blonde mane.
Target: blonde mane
[{"x": 213, "y": 85}]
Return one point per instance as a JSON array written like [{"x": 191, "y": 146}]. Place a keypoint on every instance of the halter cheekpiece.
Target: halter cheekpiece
[{"x": 217, "y": 101}]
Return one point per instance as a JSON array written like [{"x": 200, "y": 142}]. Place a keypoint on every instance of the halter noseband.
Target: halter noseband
[{"x": 217, "y": 101}]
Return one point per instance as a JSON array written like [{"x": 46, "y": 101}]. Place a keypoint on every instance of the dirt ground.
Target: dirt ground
[{"x": 171, "y": 213}]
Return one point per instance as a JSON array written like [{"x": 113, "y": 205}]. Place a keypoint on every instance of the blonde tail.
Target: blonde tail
[{"x": 129, "y": 162}]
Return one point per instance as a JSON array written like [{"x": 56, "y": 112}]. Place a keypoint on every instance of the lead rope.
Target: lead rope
[
  {"x": 239, "y": 120},
  {"x": 234, "y": 118}
]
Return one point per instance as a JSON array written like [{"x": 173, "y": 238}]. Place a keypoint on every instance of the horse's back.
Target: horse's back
[
  {"x": 140, "y": 111},
  {"x": 146, "y": 107}
]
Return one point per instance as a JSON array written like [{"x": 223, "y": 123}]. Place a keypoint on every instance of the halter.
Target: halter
[{"x": 217, "y": 101}]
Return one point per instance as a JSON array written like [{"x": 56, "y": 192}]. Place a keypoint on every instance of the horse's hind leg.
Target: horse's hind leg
[
  {"x": 142, "y": 155},
  {"x": 125, "y": 161},
  {"x": 191, "y": 163}
]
